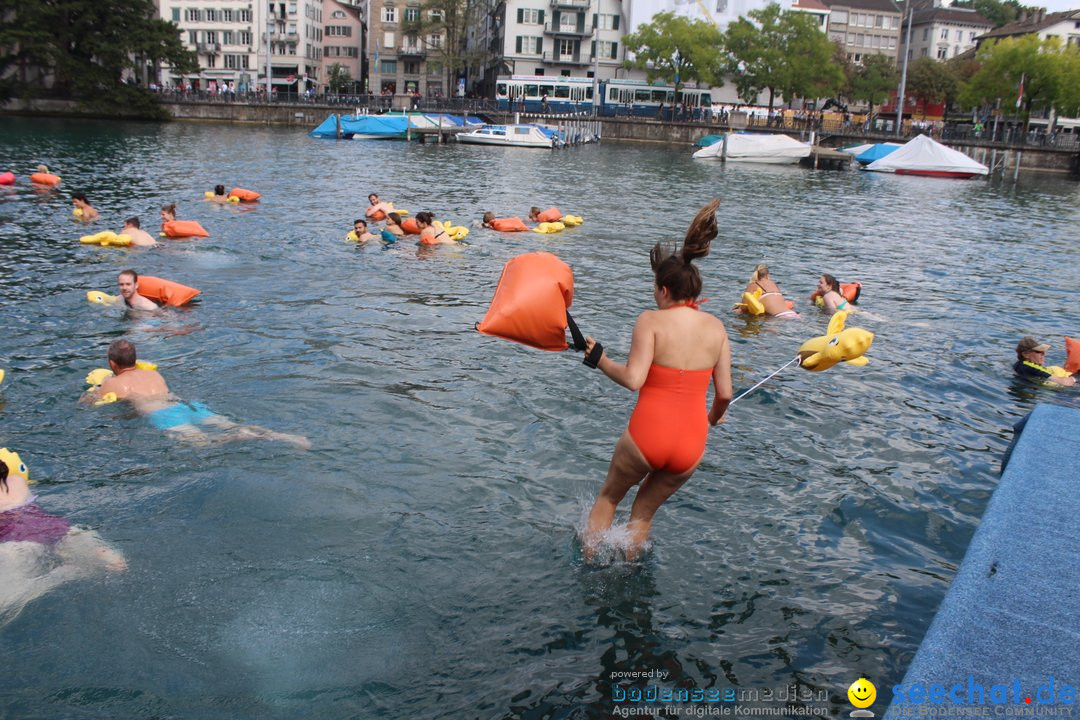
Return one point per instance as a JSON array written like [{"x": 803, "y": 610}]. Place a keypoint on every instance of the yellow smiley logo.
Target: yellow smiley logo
[{"x": 862, "y": 693}]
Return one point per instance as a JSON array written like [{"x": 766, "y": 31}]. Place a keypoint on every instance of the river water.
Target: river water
[{"x": 420, "y": 560}]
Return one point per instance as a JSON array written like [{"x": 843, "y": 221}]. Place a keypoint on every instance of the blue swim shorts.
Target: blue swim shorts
[{"x": 180, "y": 414}]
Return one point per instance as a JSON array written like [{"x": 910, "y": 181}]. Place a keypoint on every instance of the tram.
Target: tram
[{"x": 540, "y": 93}]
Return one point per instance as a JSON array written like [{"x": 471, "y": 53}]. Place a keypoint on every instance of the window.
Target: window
[
  {"x": 434, "y": 69},
  {"x": 607, "y": 22},
  {"x": 879, "y": 21},
  {"x": 176, "y": 14},
  {"x": 192, "y": 15},
  {"x": 530, "y": 16},
  {"x": 925, "y": 52},
  {"x": 568, "y": 22},
  {"x": 435, "y": 41},
  {"x": 211, "y": 36},
  {"x": 412, "y": 14},
  {"x": 925, "y": 34},
  {"x": 192, "y": 37},
  {"x": 388, "y": 39},
  {"x": 529, "y": 45},
  {"x": 412, "y": 68},
  {"x": 211, "y": 15},
  {"x": 972, "y": 39},
  {"x": 337, "y": 14},
  {"x": 245, "y": 17},
  {"x": 944, "y": 33},
  {"x": 245, "y": 37},
  {"x": 227, "y": 15},
  {"x": 338, "y": 31},
  {"x": 837, "y": 37},
  {"x": 230, "y": 62},
  {"x": 942, "y": 52},
  {"x": 567, "y": 48},
  {"x": 292, "y": 8},
  {"x": 435, "y": 15},
  {"x": 227, "y": 37},
  {"x": 838, "y": 16},
  {"x": 608, "y": 50},
  {"x": 211, "y": 61},
  {"x": 892, "y": 43},
  {"x": 388, "y": 67},
  {"x": 389, "y": 15}
]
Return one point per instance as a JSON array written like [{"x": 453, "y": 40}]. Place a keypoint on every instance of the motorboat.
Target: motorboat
[
  {"x": 774, "y": 149},
  {"x": 925, "y": 156},
  {"x": 533, "y": 136}
]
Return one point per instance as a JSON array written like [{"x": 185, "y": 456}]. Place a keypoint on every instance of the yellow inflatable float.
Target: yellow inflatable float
[
  {"x": 95, "y": 377},
  {"x": 572, "y": 220},
  {"x": 547, "y": 228},
  {"x": 837, "y": 345},
  {"x": 457, "y": 233},
  {"x": 209, "y": 195},
  {"x": 106, "y": 238}
]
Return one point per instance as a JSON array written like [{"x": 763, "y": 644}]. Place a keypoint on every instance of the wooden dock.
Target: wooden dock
[{"x": 828, "y": 159}]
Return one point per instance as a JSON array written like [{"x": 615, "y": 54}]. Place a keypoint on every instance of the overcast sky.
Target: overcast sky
[{"x": 1053, "y": 5}]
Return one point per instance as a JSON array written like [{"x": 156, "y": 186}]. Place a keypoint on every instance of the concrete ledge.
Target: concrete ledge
[{"x": 1010, "y": 623}]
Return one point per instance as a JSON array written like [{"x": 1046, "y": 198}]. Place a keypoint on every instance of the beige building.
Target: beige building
[
  {"x": 942, "y": 32},
  {"x": 343, "y": 44},
  {"x": 865, "y": 27},
  {"x": 403, "y": 63},
  {"x": 1064, "y": 25}
]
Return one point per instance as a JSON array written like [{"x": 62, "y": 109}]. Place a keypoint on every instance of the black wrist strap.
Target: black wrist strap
[
  {"x": 593, "y": 358},
  {"x": 575, "y": 334}
]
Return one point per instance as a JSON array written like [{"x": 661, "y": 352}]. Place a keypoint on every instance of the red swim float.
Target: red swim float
[
  {"x": 513, "y": 224},
  {"x": 7, "y": 178},
  {"x": 850, "y": 292},
  {"x": 409, "y": 226},
  {"x": 1072, "y": 355},
  {"x": 183, "y": 228},
  {"x": 45, "y": 179},
  {"x": 530, "y": 303},
  {"x": 245, "y": 195},
  {"x": 165, "y": 291},
  {"x": 549, "y": 215}
]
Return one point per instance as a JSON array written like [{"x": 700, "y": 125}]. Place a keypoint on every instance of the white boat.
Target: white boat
[
  {"x": 924, "y": 156},
  {"x": 513, "y": 135},
  {"x": 757, "y": 148}
]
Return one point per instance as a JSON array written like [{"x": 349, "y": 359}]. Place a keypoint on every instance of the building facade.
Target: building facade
[
  {"x": 865, "y": 27},
  {"x": 1062, "y": 25},
  {"x": 231, "y": 39},
  {"x": 402, "y": 62},
  {"x": 343, "y": 44},
  {"x": 942, "y": 32}
]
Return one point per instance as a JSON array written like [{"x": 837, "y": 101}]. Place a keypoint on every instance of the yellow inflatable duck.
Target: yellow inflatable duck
[
  {"x": 96, "y": 296},
  {"x": 546, "y": 228},
  {"x": 1, "y": 376},
  {"x": 99, "y": 375},
  {"x": 751, "y": 303},
  {"x": 106, "y": 238},
  {"x": 14, "y": 464},
  {"x": 457, "y": 233},
  {"x": 836, "y": 345},
  {"x": 572, "y": 220},
  {"x": 209, "y": 195}
]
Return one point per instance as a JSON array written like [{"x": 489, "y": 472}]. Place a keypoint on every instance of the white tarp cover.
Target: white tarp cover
[
  {"x": 923, "y": 154},
  {"x": 761, "y": 147}
]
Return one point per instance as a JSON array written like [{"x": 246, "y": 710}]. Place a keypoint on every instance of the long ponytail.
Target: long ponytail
[{"x": 675, "y": 270}]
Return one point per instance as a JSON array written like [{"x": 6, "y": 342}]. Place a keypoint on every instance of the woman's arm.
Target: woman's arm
[
  {"x": 631, "y": 375},
  {"x": 722, "y": 385},
  {"x": 832, "y": 300}
]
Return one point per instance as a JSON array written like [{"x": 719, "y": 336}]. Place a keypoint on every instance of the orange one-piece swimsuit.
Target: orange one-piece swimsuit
[{"x": 670, "y": 422}]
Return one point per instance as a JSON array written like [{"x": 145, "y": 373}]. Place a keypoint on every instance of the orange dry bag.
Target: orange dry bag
[
  {"x": 375, "y": 214},
  {"x": 244, "y": 195},
  {"x": 531, "y": 301},
  {"x": 165, "y": 291},
  {"x": 549, "y": 215},
  {"x": 183, "y": 228},
  {"x": 45, "y": 179},
  {"x": 513, "y": 224},
  {"x": 1072, "y": 355},
  {"x": 410, "y": 227}
]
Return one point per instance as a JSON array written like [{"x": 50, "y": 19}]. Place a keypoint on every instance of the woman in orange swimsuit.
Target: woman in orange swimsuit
[{"x": 674, "y": 352}]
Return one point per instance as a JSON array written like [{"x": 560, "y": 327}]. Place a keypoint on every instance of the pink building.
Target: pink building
[{"x": 343, "y": 44}]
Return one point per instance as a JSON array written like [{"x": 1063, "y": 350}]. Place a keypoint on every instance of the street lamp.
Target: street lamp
[
  {"x": 903, "y": 72},
  {"x": 596, "y": 61}
]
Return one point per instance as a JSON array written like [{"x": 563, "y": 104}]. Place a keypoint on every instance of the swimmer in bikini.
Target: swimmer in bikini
[
  {"x": 138, "y": 236},
  {"x": 147, "y": 392},
  {"x": 87, "y": 212},
  {"x": 829, "y": 288},
  {"x": 393, "y": 230},
  {"x": 39, "y": 551},
  {"x": 771, "y": 297},
  {"x": 431, "y": 234},
  {"x": 675, "y": 352},
  {"x": 128, "y": 283}
]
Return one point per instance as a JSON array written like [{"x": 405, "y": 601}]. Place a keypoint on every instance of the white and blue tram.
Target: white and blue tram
[{"x": 539, "y": 93}]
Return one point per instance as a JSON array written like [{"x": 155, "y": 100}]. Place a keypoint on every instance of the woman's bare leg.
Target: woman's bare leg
[
  {"x": 657, "y": 488},
  {"x": 627, "y": 468}
]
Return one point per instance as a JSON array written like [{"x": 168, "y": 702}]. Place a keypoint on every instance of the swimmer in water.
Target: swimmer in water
[
  {"x": 549, "y": 215},
  {"x": 84, "y": 210},
  {"x": 431, "y": 234},
  {"x": 128, "y": 282},
  {"x": 219, "y": 195},
  {"x": 377, "y": 209},
  {"x": 360, "y": 227},
  {"x": 39, "y": 551},
  {"x": 138, "y": 236},
  {"x": 393, "y": 230},
  {"x": 149, "y": 395},
  {"x": 675, "y": 352},
  {"x": 828, "y": 288},
  {"x": 771, "y": 297}
]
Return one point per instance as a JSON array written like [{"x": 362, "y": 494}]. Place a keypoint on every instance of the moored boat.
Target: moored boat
[{"x": 511, "y": 135}]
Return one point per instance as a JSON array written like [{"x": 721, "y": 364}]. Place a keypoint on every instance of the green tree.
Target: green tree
[
  {"x": 1044, "y": 66},
  {"x": 875, "y": 79},
  {"x": 440, "y": 29},
  {"x": 338, "y": 78},
  {"x": 782, "y": 52},
  {"x": 84, "y": 47},
  {"x": 931, "y": 81},
  {"x": 677, "y": 50},
  {"x": 996, "y": 11}
]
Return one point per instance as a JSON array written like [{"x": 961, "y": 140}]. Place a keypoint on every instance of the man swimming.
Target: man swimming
[
  {"x": 133, "y": 229},
  {"x": 360, "y": 227},
  {"x": 128, "y": 282},
  {"x": 147, "y": 392},
  {"x": 219, "y": 195},
  {"x": 377, "y": 209}
]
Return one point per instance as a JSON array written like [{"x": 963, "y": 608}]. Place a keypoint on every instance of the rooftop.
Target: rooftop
[
  {"x": 1034, "y": 22},
  {"x": 877, "y": 5}
]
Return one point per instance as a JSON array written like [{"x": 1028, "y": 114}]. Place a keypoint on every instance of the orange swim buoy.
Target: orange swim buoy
[
  {"x": 245, "y": 195},
  {"x": 183, "y": 228},
  {"x": 165, "y": 291},
  {"x": 530, "y": 303},
  {"x": 1072, "y": 355},
  {"x": 375, "y": 214},
  {"x": 409, "y": 226},
  {"x": 549, "y": 215},
  {"x": 849, "y": 291},
  {"x": 7, "y": 178},
  {"x": 45, "y": 179},
  {"x": 513, "y": 224}
]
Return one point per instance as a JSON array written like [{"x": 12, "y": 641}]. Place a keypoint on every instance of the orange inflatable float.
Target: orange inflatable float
[
  {"x": 530, "y": 303},
  {"x": 1072, "y": 355},
  {"x": 245, "y": 195},
  {"x": 41, "y": 178},
  {"x": 850, "y": 291},
  {"x": 183, "y": 228},
  {"x": 410, "y": 227},
  {"x": 549, "y": 215},
  {"x": 375, "y": 214},
  {"x": 165, "y": 291},
  {"x": 7, "y": 178},
  {"x": 513, "y": 224}
]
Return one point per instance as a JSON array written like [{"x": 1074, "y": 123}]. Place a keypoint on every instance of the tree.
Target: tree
[
  {"x": 875, "y": 79},
  {"x": 931, "y": 81},
  {"x": 84, "y": 47},
  {"x": 1044, "y": 66},
  {"x": 782, "y": 52},
  {"x": 338, "y": 78},
  {"x": 998, "y": 12},
  {"x": 440, "y": 28},
  {"x": 677, "y": 50}
]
